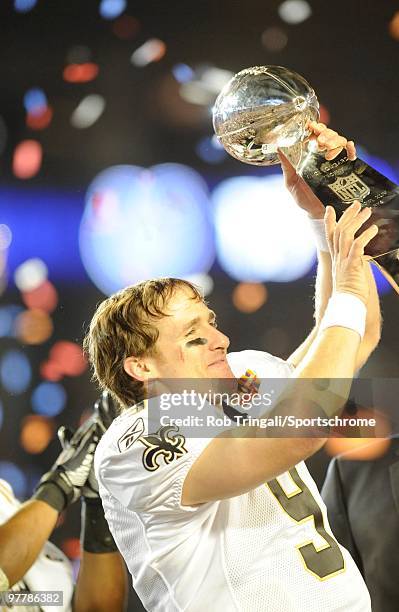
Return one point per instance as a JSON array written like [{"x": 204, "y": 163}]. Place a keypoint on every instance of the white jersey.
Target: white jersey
[
  {"x": 51, "y": 571},
  {"x": 271, "y": 549}
]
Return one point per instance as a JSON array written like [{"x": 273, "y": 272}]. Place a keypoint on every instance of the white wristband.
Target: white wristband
[
  {"x": 319, "y": 233},
  {"x": 345, "y": 310},
  {"x": 4, "y": 584}
]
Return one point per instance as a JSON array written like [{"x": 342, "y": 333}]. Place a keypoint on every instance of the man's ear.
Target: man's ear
[{"x": 136, "y": 367}]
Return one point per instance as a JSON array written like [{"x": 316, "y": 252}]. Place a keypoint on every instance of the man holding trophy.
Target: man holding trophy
[{"x": 235, "y": 522}]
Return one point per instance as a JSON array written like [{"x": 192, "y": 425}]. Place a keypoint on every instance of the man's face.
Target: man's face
[{"x": 189, "y": 344}]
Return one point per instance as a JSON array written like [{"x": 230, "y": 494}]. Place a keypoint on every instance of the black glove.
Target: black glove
[
  {"x": 104, "y": 413},
  {"x": 95, "y": 535},
  {"x": 62, "y": 485}
]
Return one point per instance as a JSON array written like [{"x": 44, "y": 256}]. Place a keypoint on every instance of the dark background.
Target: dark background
[{"x": 345, "y": 49}]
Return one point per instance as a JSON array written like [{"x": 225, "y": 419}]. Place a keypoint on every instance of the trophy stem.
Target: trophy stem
[{"x": 341, "y": 181}]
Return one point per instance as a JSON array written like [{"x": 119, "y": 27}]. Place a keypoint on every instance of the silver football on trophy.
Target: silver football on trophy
[{"x": 262, "y": 109}]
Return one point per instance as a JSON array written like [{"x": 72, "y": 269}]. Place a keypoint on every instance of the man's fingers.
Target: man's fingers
[
  {"x": 351, "y": 150},
  {"x": 316, "y": 127},
  {"x": 330, "y": 224},
  {"x": 65, "y": 435},
  {"x": 348, "y": 215},
  {"x": 347, "y": 234},
  {"x": 332, "y": 153},
  {"x": 288, "y": 169},
  {"x": 330, "y": 140},
  {"x": 360, "y": 243}
]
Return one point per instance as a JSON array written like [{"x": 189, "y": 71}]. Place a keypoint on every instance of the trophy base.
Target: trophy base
[{"x": 341, "y": 181}]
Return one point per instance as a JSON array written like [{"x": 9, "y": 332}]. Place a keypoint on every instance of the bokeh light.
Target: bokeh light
[
  {"x": 274, "y": 39},
  {"x": 210, "y": 150},
  {"x": 5, "y": 237},
  {"x": 325, "y": 116},
  {"x": 24, "y": 6},
  {"x": 35, "y": 101},
  {"x": 194, "y": 92},
  {"x": 88, "y": 111},
  {"x": 203, "y": 281},
  {"x": 50, "y": 371},
  {"x": 36, "y": 433},
  {"x": 68, "y": 358},
  {"x": 110, "y": 9},
  {"x": 27, "y": 159},
  {"x": 363, "y": 448},
  {"x": 80, "y": 73},
  {"x": 151, "y": 51},
  {"x": 49, "y": 399},
  {"x": 40, "y": 121},
  {"x": 249, "y": 297},
  {"x": 261, "y": 235},
  {"x": 44, "y": 297},
  {"x": 126, "y": 27},
  {"x": 357, "y": 449},
  {"x": 31, "y": 274},
  {"x": 8, "y": 315},
  {"x": 294, "y": 11},
  {"x": 142, "y": 223},
  {"x": 394, "y": 26},
  {"x": 183, "y": 73},
  {"x": 15, "y": 371},
  {"x": 33, "y": 327},
  {"x": 205, "y": 86},
  {"x": 15, "y": 477}
]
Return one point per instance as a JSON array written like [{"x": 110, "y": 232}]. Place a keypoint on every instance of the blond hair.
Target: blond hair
[{"x": 124, "y": 325}]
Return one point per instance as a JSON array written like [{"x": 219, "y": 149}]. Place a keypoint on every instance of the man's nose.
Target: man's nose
[{"x": 219, "y": 340}]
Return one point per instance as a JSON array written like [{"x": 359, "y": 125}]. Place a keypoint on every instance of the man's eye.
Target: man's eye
[{"x": 190, "y": 333}]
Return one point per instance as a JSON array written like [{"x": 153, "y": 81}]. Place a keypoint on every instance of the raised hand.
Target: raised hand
[
  {"x": 349, "y": 266},
  {"x": 331, "y": 144}
]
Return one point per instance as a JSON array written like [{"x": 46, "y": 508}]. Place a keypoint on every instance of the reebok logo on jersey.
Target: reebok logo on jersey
[
  {"x": 162, "y": 445},
  {"x": 131, "y": 435}
]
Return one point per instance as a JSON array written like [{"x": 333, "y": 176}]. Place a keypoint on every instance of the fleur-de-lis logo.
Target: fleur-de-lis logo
[
  {"x": 163, "y": 445},
  {"x": 131, "y": 435}
]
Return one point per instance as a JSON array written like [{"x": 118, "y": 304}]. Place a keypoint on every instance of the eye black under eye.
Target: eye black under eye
[{"x": 197, "y": 342}]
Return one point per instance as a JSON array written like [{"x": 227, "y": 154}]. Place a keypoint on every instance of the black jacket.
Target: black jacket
[{"x": 362, "y": 498}]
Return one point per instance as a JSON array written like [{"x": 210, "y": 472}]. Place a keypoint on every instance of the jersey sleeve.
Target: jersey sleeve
[
  {"x": 262, "y": 364},
  {"x": 144, "y": 471}
]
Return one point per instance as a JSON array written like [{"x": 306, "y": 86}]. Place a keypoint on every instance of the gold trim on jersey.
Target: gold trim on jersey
[{"x": 310, "y": 517}]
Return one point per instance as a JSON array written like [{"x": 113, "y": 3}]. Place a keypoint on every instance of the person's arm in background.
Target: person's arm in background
[
  {"x": 102, "y": 583},
  {"x": 333, "y": 144},
  {"x": 102, "y": 580},
  {"x": 23, "y": 536}
]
